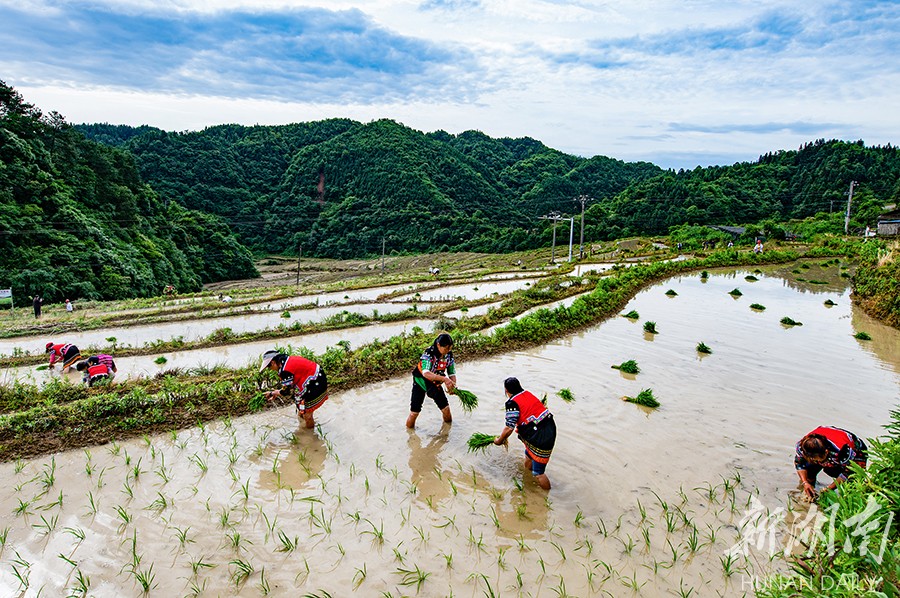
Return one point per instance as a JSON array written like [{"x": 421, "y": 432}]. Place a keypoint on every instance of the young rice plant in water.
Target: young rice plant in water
[{"x": 629, "y": 367}]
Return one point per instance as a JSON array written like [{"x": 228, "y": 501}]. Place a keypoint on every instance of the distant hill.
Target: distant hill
[
  {"x": 77, "y": 221},
  {"x": 470, "y": 192}
]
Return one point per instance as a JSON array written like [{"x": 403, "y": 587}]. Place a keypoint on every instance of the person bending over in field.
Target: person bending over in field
[
  {"x": 93, "y": 373},
  {"x": 66, "y": 353},
  {"x": 103, "y": 361},
  {"x": 830, "y": 449},
  {"x": 301, "y": 379},
  {"x": 534, "y": 423},
  {"x": 435, "y": 367}
]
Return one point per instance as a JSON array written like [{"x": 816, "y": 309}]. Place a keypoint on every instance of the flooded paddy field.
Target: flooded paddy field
[
  {"x": 470, "y": 290},
  {"x": 231, "y": 356},
  {"x": 643, "y": 502},
  {"x": 191, "y": 330}
]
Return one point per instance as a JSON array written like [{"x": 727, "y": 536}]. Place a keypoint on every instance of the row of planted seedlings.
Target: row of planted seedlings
[
  {"x": 235, "y": 506},
  {"x": 37, "y": 419}
]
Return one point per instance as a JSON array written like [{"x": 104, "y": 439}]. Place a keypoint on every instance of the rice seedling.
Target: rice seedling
[
  {"x": 199, "y": 564},
  {"x": 19, "y": 466},
  {"x": 632, "y": 315},
  {"x": 750, "y": 278},
  {"x": 160, "y": 360},
  {"x": 48, "y": 475},
  {"x": 735, "y": 292},
  {"x": 645, "y": 398},
  {"x": 359, "y": 576},
  {"x": 650, "y": 327},
  {"x": 63, "y": 557},
  {"x": 45, "y": 527},
  {"x": 242, "y": 570},
  {"x": 579, "y": 518},
  {"x": 92, "y": 504},
  {"x": 82, "y": 584},
  {"x": 566, "y": 395},
  {"x": 145, "y": 579},
  {"x": 494, "y": 519},
  {"x": 562, "y": 553},
  {"x": 21, "y": 571},
  {"x": 704, "y": 274},
  {"x": 728, "y": 561},
  {"x": 790, "y": 322},
  {"x": 629, "y": 367},
  {"x": 830, "y": 303},
  {"x": 377, "y": 532},
  {"x": 479, "y": 441},
  {"x": 467, "y": 399},
  {"x": 412, "y": 577},
  {"x": 703, "y": 348},
  {"x": 671, "y": 293},
  {"x": 757, "y": 307},
  {"x": 4, "y": 535},
  {"x": 862, "y": 336}
]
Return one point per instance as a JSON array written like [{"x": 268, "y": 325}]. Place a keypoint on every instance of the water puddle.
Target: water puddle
[{"x": 643, "y": 502}]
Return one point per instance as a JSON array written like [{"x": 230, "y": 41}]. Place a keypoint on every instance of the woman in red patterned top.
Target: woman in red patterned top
[
  {"x": 67, "y": 353},
  {"x": 301, "y": 379},
  {"x": 535, "y": 426},
  {"x": 831, "y": 450}
]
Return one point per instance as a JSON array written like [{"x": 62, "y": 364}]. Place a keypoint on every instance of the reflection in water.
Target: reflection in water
[
  {"x": 427, "y": 469},
  {"x": 296, "y": 465}
]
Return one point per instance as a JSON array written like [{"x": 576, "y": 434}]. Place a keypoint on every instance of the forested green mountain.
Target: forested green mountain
[
  {"x": 77, "y": 221},
  {"x": 438, "y": 191}
]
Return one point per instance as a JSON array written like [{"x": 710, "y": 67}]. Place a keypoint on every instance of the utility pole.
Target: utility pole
[
  {"x": 554, "y": 216},
  {"x": 849, "y": 199},
  {"x": 582, "y": 199},
  {"x": 299, "y": 255},
  {"x": 382, "y": 256},
  {"x": 571, "y": 235}
]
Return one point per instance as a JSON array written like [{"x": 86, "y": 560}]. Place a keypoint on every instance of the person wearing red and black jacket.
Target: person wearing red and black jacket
[
  {"x": 301, "y": 379},
  {"x": 94, "y": 371},
  {"x": 527, "y": 416},
  {"x": 67, "y": 353},
  {"x": 435, "y": 367},
  {"x": 832, "y": 450}
]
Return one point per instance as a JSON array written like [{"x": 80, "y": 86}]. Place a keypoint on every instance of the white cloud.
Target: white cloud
[{"x": 655, "y": 80}]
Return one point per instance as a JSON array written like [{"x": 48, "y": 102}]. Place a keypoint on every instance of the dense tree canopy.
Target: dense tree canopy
[
  {"x": 77, "y": 221},
  {"x": 439, "y": 191}
]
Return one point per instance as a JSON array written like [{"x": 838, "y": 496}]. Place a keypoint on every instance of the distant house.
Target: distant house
[{"x": 889, "y": 224}]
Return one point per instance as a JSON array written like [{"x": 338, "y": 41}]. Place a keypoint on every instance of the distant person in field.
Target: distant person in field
[
  {"x": 36, "y": 304},
  {"x": 302, "y": 380},
  {"x": 66, "y": 353},
  {"x": 527, "y": 416},
  {"x": 435, "y": 367},
  {"x": 169, "y": 291},
  {"x": 758, "y": 248},
  {"x": 70, "y": 307},
  {"x": 832, "y": 450},
  {"x": 106, "y": 361}
]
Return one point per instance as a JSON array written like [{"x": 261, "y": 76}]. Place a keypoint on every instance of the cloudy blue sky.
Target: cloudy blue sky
[{"x": 679, "y": 83}]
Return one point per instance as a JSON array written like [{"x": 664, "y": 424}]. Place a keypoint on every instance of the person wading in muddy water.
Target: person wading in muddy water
[
  {"x": 830, "y": 449},
  {"x": 435, "y": 367},
  {"x": 526, "y": 415},
  {"x": 67, "y": 353},
  {"x": 301, "y": 379}
]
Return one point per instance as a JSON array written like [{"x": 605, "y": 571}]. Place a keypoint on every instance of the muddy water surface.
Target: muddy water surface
[{"x": 361, "y": 503}]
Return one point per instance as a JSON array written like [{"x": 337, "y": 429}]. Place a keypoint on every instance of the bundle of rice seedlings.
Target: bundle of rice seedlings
[
  {"x": 757, "y": 271},
  {"x": 257, "y": 402},
  {"x": 750, "y": 278},
  {"x": 862, "y": 336},
  {"x": 795, "y": 271},
  {"x": 758, "y": 306},
  {"x": 671, "y": 293},
  {"x": 479, "y": 441},
  {"x": 830, "y": 303},
  {"x": 650, "y": 327},
  {"x": 735, "y": 292},
  {"x": 42, "y": 367},
  {"x": 629, "y": 367},
  {"x": 789, "y": 322},
  {"x": 467, "y": 399},
  {"x": 632, "y": 315},
  {"x": 703, "y": 348},
  {"x": 566, "y": 395},
  {"x": 285, "y": 314},
  {"x": 804, "y": 266},
  {"x": 160, "y": 360},
  {"x": 645, "y": 398},
  {"x": 704, "y": 274}
]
